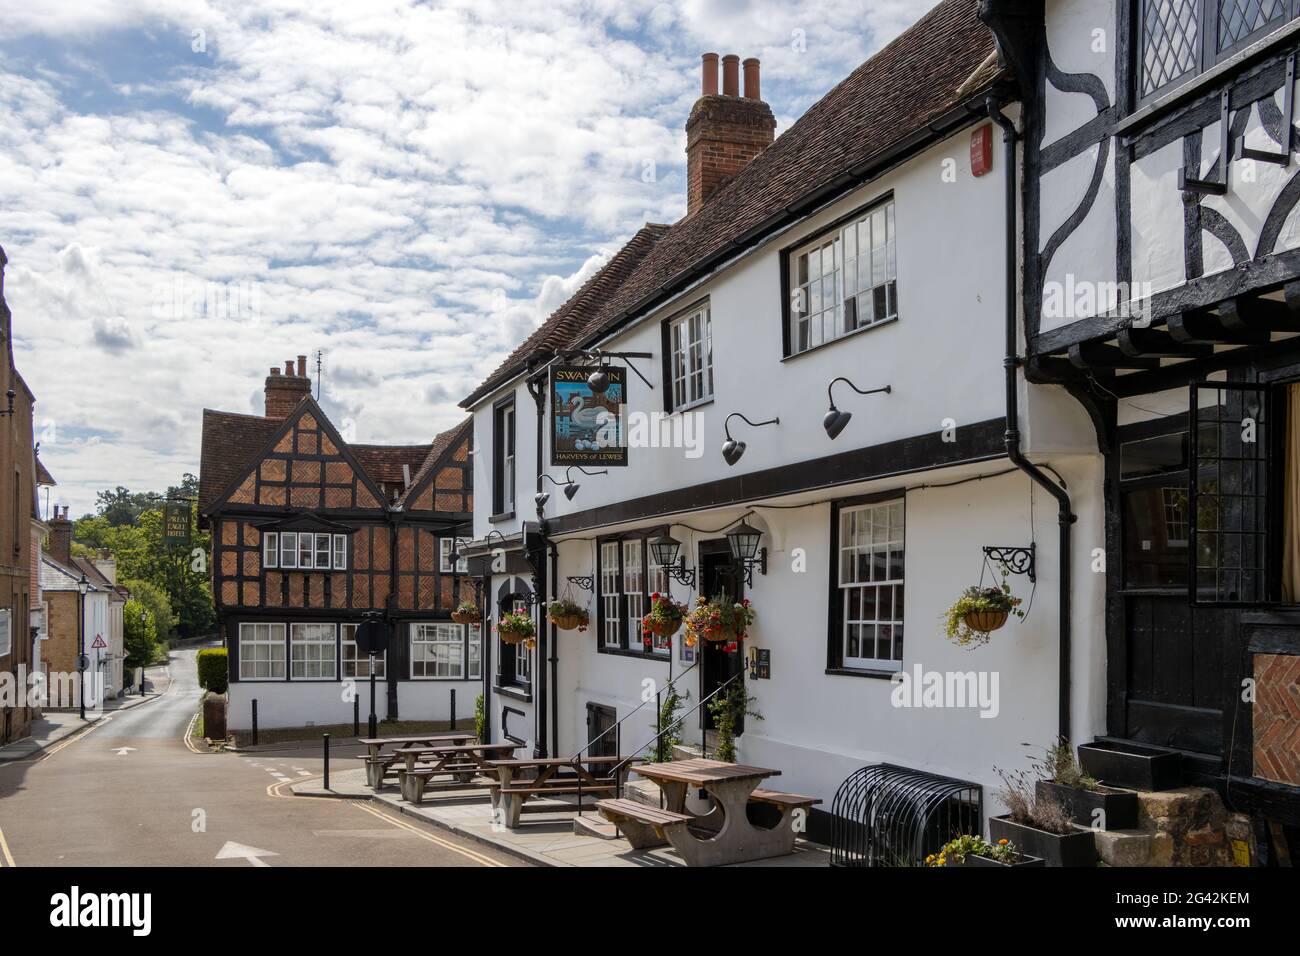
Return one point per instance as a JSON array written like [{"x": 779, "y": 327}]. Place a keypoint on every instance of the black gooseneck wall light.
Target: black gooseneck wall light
[
  {"x": 732, "y": 449},
  {"x": 835, "y": 419}
]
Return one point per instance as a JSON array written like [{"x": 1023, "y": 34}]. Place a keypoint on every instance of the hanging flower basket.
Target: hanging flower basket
[
  {"x": 466, "y": 612},
  {"x": 665, "y": 617},
  {"x": 516, "y": 627},
  {"x": 720, "y": 620},
  {"x": 978, "y": 612},
  {"x": 567, "y": 616},
  {"x": 985, "y": 621}
]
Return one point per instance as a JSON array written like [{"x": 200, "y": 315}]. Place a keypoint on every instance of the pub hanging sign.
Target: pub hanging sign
[
  {"x": 176, "y": 523},
  {"x": 588, "y": 428}
]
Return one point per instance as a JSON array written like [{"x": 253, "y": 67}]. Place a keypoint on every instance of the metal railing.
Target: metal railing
[
  {"x": 621, "y": 767},
  {"x": 616, "y": 728}
]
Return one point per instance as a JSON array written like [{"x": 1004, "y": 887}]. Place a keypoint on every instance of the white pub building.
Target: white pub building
[{"x": 830, "y": 399}]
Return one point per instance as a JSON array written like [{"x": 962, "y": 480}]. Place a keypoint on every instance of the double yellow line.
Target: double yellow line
[
  {"x": 6, "y": 858},
  {"x": 277, "y": 790}
]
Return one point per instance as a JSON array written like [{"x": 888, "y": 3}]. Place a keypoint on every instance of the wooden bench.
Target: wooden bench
[
  {"x": 643, "y": 826},
  {"x": 550, "y": 776},
  {"x": 778, "y": 799}
]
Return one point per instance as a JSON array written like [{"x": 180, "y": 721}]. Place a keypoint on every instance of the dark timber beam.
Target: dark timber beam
[
  {"x": 1096, "y": 355},
  {"x": 1259, "y": 315},
  {"x": 1152, "y": 343},
  {"x": 1198, "y": 328}
]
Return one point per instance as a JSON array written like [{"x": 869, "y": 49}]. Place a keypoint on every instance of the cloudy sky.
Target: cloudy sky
[{"x": 192, "y": 191}]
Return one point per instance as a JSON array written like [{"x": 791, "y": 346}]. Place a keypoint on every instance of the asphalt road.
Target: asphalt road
[{"x": 129, "y": 792}]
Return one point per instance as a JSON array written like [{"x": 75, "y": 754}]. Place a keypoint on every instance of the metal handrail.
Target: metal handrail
[
  {"x": 619, "y": 723},
  {"x": 619, "y": 767}
]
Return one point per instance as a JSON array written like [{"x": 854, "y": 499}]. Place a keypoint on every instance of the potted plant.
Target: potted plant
[
  {"x": 968, "y": 850},
  {"x": 466, "y": 612},
  {"x": 665, "y": 617},
  {"x": 567, "y": 616},
  {"x": 720, "y": 619},
  {"x": 1040, "y": 827},
  {"x": 978, "y": 612},
  {"x": 1089, "y": 802},
  {"x": 516, "y": 627}
]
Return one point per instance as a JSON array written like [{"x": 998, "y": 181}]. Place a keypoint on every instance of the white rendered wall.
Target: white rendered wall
[{"x": 290, "y": 704}]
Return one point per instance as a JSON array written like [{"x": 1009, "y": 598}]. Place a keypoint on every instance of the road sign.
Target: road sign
[
  {"x": 99, "y": 642},
  {"x": 372, "y": 637}
]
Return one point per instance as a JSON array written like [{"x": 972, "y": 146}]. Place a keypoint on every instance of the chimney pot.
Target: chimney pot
[
  {"x": 275, "y": 370},
  {"x": 751, "y": 79},
  {"x": 302, "y": 366},
  {"x": 288, "y": 367},
  {"x": 731, "y": 75},
  {"x": 710, "y": 75}
]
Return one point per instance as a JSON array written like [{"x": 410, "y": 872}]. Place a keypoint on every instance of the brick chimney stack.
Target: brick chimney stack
[
  {"x": 61, "y": 536},
  {"x": 725, "y": 131},
  {"x": 285, "y": 390}
]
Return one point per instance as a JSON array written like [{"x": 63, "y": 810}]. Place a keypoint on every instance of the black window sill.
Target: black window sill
[
  {"x": 518, "y": 693},
  {"x": 860, "y": 672},
  {"x": 501, "y": 516},
  {"x": 1180, "y": 91},
  {"x": 627, "y": 652},
  {"x": 842, "y": 338}
]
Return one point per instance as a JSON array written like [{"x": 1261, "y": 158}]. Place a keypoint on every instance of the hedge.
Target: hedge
[{"x": 214, "y": 673}]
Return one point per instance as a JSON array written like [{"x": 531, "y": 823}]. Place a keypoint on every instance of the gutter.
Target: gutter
[{"x": 1010, "y": 364}]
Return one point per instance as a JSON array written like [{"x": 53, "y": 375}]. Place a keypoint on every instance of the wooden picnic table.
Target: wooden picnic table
[
  {"x": 462, "y": 761},
  {"x": 722, "y": 835},
  {"x": 377, "y": 744},
  {"x": 513, "y": 788}
]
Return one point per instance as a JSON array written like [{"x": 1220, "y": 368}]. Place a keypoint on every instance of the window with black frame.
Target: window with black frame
[
  {"x": 1153, "y": 492},
  {"x": 627, "y": 576},
  {"x": 1178, "y": 39},
  {"x": 1229, "y": 496}
]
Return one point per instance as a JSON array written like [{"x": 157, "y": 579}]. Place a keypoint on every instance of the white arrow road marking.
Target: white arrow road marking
[
  {"x": 122, "y": 751},
  {"x": 237, "y": 851}
]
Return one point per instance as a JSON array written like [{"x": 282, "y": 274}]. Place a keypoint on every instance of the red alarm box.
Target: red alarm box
[{"x": 981, "y": 150}]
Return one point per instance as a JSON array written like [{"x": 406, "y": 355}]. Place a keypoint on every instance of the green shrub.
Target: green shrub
[{"x": 214, "y": 673}]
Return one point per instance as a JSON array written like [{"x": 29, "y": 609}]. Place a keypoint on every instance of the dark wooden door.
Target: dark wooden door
[
  {"x": 600, "y": 721},
  {"x": 719, "y": 575}
]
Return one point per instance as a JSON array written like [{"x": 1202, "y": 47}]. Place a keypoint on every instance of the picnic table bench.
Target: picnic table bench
[
  {"x": 725, "y": 833},
  {"x": 380, "y": 764},
  {"x": 461, "y": 761},
  {"x": 514, "y": 786}
]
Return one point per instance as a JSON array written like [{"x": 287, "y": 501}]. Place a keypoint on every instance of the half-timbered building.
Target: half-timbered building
[
  {"x": 1161, "y": 251},
  {"x": 311, "y": 534}
]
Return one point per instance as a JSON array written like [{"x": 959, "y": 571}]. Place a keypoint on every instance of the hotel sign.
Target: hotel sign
[
  {"x": 176, "y": 523},
  {"x": 588, "y": 428}
]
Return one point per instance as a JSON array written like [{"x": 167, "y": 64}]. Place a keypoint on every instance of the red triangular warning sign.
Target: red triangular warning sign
[{"x": 99, "y": 641}]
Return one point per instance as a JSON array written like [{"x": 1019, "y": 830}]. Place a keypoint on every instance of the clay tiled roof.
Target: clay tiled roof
[
  {"x": 43, "y": 477},
  {"x": 943, "y": 60},
  {"x": 569, "y": 319},
  {"x": 384, "y": 463},
  {"x": 229, "y": 443},
  {"x": 441, "y": 444}
]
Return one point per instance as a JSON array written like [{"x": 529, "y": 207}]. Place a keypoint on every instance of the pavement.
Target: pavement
[
  {"x": 545, "y": 836},
  {"x": 131, "y": 789}
]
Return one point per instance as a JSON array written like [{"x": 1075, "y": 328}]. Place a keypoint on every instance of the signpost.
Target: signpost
[
  {"x": 588, "y": 428},
  {"x": 372, "y": 639}
]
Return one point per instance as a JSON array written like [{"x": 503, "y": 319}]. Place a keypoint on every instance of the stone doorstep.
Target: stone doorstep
[
  {"x": 1124, "y": 847},
  {"x": 594, "y": 825}
]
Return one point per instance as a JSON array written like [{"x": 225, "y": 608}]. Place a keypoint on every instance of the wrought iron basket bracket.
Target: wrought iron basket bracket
[
  {"x": 1014, "y": 560},
  {"x": 582, "y": 581}
]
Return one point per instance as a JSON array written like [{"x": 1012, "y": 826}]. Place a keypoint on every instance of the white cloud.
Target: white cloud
[{"x": 409, "y": 187}]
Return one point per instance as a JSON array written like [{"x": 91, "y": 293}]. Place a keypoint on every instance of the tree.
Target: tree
[
  {"x": 156, "y": 602},
  {"x": 181, "y": 573},
  {"x": 140, "y": 635},
  {"x": 120, "y": 506}
]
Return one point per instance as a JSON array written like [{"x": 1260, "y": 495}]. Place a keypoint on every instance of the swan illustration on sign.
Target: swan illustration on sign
[{"x": 586, "y": 427}]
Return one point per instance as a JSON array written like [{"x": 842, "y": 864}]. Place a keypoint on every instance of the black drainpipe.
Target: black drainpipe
[
  {"x": 537, "y": 388},
  {"x": 1010, "y": 364},
  {"x": 554, "y": 633}
]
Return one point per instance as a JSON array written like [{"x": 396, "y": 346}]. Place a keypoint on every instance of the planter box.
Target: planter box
[
  {"x": 1025, "y": 860},
  {"x": 214, "y": 717},
  {"x": 1072, "y": 849},
  {"x": 1132, "y": 765},
  {"x": 1120, "y": 807}
]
